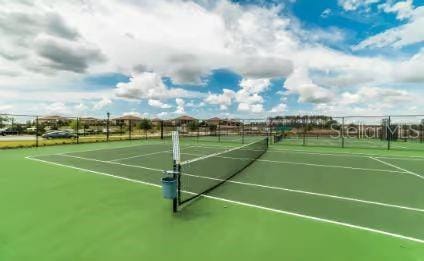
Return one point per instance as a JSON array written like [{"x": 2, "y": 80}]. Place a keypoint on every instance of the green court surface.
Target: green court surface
[{"x": 103, "y": 202}]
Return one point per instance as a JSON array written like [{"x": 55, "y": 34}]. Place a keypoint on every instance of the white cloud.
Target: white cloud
[
  {"x": 403, "y": 9},
  {"x": 148, "y": 85},
  {"x": 280, "y": 108},
  {"x": 326, "y": 13},
  {"x": 254, "y": 108},
  {"x": 382, "y": 95},
  {"x": 158, "y": 104},
  {"x": 223, "y": 100},
  {"x": 254, "y": 85},
  {"x": 180, "y": 106},
  {"x": 51, "y": 43},
  {"x": 132, "y": 113},
  {"x": 397, "y": 37},
  {"x": 162, "y": 114},
  {"x": 300, "y": 83},
  {"x": 102, "y": 103},
  {"x": 352, "y": 5},
  {"x": 5, "y": 108}
]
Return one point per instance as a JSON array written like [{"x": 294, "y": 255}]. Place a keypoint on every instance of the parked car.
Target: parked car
[
  {"x": 59, "y": 135},
  {"x": 8, "y": 131}
]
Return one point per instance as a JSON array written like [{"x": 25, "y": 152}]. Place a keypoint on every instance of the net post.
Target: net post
[
  {"x": 176, "y": 169},
  {"x": 36, "y": 131},
  {"x": 342, "y": 132}
]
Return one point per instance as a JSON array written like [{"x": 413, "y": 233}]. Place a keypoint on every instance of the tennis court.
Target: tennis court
[
  {"x": 379, "y": 194},
  {"x": 104, "y": 201}
]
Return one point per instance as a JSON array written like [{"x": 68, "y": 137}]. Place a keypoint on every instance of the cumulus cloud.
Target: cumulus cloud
[
  {"x": 180, "y": 106},
  {"x": 65, "y": 55},
  {"x": 60, "y": 41},
  {"x": 250, "y": 108},
  {"x": 147, "y": 85},
  {"x": 223, "y": 100},
  {"x": 352, "y": 5},
  {"x": 102, "y": 103},
  {"x": 403, "y": 9},
  {"x": 158, "y": 104},
  {"x": 44, "y": 42},
  {"x": 403, "y": 35},
  {"x": 280, "y": 108},
  {"x": 326, "y": 13},
  {"x": 300, "y": 83}
]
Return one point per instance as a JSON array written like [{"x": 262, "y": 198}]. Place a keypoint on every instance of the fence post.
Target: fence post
[
  {"x": 107, "y": 127},
  {"x": 219, "y": 130},
  {"x": 36, "y": 131},
  {"x": 342, "y": 132},
  {"x": 129, "y": 129},
  {"x": 198, "y": 130},
  {"x": 77, "y": 130},
  {"x": 161, "y": 129},
  {"x": 242, "y": 131},
  {"x": 389, "y": 134},
  {"x": 304, "y": 131},
  {"x": 421, "y": 132},
  {"x": 270, "y": 130}
]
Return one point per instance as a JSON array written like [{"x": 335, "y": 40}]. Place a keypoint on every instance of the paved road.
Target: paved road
[{"x": 17, "y": 137}]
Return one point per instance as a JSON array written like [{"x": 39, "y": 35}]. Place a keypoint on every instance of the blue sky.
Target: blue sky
[{"x": 244, "y": 59}]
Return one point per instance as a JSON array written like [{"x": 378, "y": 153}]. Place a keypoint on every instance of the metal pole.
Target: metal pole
[
  {"x": 242, "y": 131},
  {"x": 107, "y": 127},
  {"x": 161, "y": 130},
  {"x": 389, "y": 134},
  {"x": 198, "y": 131},
  {"x": 36, "y": 132},
  {"x": 304, "y": 131},
  {"x": 129, "y": 129},
  {"x": 342, "y": 132},
  {"x": 77, "y": 130},
  {"x": 219, "y": 130}
]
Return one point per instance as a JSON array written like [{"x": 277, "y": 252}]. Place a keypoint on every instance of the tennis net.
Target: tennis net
[{"x": 201, "y": 175}]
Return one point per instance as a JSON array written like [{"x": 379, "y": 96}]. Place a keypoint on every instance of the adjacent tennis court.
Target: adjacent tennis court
[{"x": 378, "y": 194}]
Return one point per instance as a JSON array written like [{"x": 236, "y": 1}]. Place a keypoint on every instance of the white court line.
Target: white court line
[
  {"x": 249, "y": 205},
  {"x": 394, "y": 166},
  {"x": 262, "y": 186},
  {"x": 148, "y": 154},
  {"x": 342, "y": 154},
  {"x": 140, "y": 155},
  {"x": 111, "y": 162},
  {"x": 115, "y": 148},
  {"x": 294, "y": 163}
]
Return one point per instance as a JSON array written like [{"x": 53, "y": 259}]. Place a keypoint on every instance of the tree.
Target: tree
[
  {"x": 193, "y": 125},
  {"x": 145, "y": 124},
  {"x": 73, "y": 124},
  {"x": 3, "y": 120}
]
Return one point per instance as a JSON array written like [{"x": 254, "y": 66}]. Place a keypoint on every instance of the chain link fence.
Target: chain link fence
[{"x": 400, "y": 132}]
